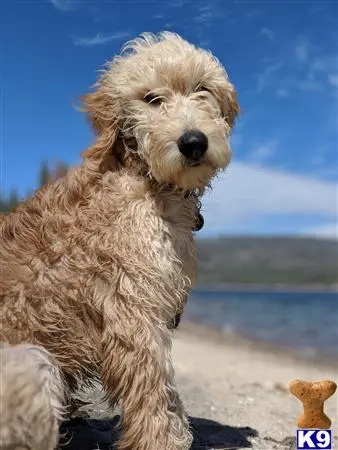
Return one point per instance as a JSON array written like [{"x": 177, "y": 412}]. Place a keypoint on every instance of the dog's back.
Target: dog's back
[{"x": 31, "y": 398}]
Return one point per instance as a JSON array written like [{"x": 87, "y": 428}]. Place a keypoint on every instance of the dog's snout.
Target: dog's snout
[{"x": 193, "y": 144}]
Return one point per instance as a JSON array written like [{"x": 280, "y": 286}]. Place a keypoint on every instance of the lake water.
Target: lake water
[{"x": 303, "y": 320}]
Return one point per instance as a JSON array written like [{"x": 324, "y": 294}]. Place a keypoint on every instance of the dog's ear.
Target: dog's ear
[
  {"x": 227, "y": 97},
  {"x": 102, "y": 111},
  {"x": 233, "y": 108}
]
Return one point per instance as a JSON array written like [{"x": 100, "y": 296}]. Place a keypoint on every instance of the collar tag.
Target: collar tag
[{"x": 199, "y": 222}]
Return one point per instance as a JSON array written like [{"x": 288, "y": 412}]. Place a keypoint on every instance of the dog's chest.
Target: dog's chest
[
  {"x": 142, "y": 239},
  {"x": 151, "y": 239},
  {"x": 176, "y": 254},
  {"x": 166, "y": 247}
]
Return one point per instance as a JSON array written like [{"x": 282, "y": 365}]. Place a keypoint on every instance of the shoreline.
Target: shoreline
[
  {"x": 238, "y": 340},
  {"x": 277, "y": 287}
]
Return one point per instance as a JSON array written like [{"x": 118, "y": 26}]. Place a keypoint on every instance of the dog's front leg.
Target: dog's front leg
[{"x": 137, "y": 369}]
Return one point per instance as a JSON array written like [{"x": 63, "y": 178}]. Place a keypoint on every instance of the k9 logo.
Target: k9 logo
[{"x": 314, "y": 439}]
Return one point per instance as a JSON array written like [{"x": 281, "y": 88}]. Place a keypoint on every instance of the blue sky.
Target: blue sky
[{"x": 281, "y": 55}]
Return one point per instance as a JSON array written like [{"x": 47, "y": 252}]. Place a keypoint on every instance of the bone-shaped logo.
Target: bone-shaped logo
[{"x": 313, "y": 396}]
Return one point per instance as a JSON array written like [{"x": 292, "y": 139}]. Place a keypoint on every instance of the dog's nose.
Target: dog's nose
[{"x": 193, "y": 144}]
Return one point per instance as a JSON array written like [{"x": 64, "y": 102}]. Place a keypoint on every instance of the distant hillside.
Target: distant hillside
[{"x": 268, "y": 260}]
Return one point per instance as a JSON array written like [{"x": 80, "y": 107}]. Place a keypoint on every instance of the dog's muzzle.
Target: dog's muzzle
[{"x": 193, "y": 144}]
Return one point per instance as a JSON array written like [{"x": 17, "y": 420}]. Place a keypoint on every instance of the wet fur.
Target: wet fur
[{"x": 97, "y": 264}]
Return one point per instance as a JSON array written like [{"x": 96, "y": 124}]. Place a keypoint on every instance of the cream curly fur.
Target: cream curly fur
[
  {"x": 98, "y": 263},
  {"x": 31, "y": 398}
]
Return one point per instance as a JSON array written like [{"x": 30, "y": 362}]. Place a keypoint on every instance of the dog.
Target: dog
[
  {"x": 30, "y": 406},
  {"x": 98, "y": 263}
]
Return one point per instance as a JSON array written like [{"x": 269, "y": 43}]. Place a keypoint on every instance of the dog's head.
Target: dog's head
[{"x": 165, "y": 107}]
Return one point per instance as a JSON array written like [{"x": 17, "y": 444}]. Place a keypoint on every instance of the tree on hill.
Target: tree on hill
[
  {"x": 58, "y": 172},
  {"x": 45, "y": 175}
]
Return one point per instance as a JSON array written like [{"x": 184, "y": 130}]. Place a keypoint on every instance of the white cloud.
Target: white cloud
[
  {"x": 333, "y": 79},
  {"x": 317, "y": 71},
  {"x": 282, "y": 92},
  {"x": 326, "y": 63},
  {"x": 205, "y": 14},
  {"x": 309, "y": 85},
  {"x": 245, "y": 193},
  {"x": 177, "y": 3},
  {"x": 268, "y": 33},
  {"x": 318, "y": 160},
  {"x": 208, "y": 12},
  {"x": 252, "y": 14},
  {"x": 100, "y": 39},
  {"x": 264, "y": 79},
  {"x": 63, "y": 5},
  {"x": 326, "y": 231},
  {"x": 302, "y": 50},
  {"x": 263, "y": 152}
]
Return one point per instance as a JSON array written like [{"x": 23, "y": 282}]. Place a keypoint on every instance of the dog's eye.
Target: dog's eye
[
  {"x": 202, "y": 88},
  {"x": 153, "y": 99}
]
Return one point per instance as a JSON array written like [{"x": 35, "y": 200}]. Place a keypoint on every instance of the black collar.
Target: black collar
[{"x": 199, "y": 222}]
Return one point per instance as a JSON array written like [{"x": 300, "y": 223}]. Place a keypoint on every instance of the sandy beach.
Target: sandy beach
[{"x": 234, "y": 390}]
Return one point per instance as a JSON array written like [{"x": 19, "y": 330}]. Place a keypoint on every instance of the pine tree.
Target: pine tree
[
  {"x": 3, "y": 203},
  {"x": 44, "y": 174},
  {"x": 8, "y": 203},
  {"x": 13, "y": 200},
  {"x": 59, "y": 171}
]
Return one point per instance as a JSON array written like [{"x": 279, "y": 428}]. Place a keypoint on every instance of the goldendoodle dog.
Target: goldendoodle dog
[{"x": 97, "y": 264}]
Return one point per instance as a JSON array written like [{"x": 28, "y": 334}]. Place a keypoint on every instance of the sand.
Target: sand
[{"x": 234, "y": 390}]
